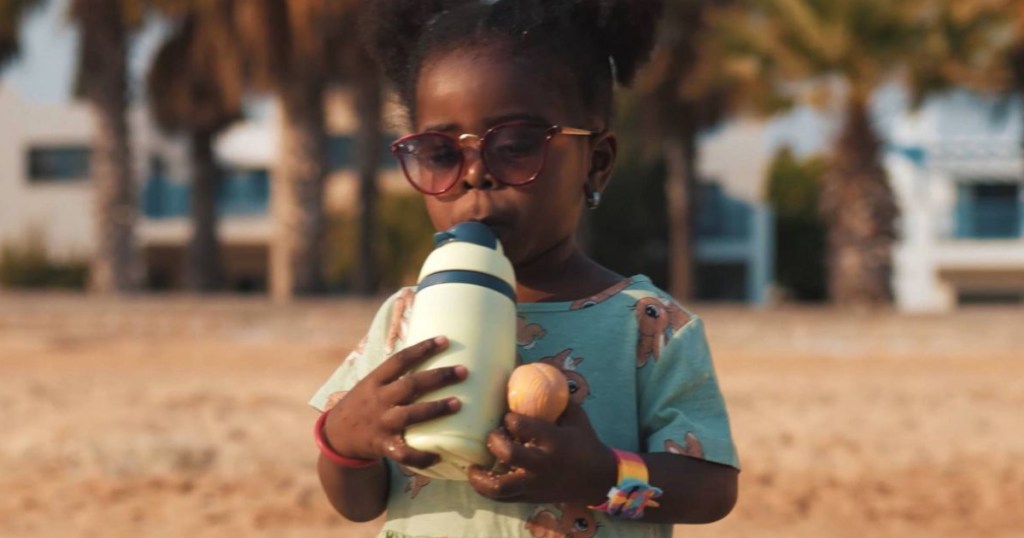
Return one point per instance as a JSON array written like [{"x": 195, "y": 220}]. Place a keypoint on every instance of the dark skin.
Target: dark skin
[
  {"x": 370, "y": 422},
  {"x": 564, "y": 462}
]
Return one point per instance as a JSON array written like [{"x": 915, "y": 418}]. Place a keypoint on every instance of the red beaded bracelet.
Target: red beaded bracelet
[{"x": 330, "y": 453}]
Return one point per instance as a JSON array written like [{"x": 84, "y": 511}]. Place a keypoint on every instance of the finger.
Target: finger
[
  {"x": 408, "y": 358},
  {"x": 513, "y": 454},
  {"x": 526, "y": 429},
  {"x": 408, "y": 388},
  {"x": 574, "y": 415},
  {"x": 400, "y": 417},
  {"x": 505, "y": 487},
  {"x": 398, "y": 451}
]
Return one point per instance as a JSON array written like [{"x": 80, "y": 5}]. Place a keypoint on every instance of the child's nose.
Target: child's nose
[{"x": 474, "y": 173}]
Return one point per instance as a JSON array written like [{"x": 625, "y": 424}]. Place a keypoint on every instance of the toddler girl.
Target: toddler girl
[{"x": 510, "y": 102}]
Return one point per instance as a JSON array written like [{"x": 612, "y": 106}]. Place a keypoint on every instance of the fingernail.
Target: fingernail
[
  {"x": 461, "y": 372},
  {"x": 440, "y": 340},
  {"x": 454, "y": 404}
]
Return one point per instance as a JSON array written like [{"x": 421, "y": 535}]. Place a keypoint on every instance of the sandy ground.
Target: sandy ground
[{"x": 174, "y": 417}]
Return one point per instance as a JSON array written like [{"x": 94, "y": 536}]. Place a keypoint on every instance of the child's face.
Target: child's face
[{"x": 470, "y": 92}]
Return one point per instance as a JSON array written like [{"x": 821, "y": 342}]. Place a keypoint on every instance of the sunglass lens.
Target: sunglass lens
[
  {"x": 431, "y": 161},
  {"x": 515, "y": 153}
]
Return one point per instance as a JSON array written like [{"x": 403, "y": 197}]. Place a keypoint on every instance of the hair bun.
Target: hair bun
[
  {"x": 597, "y": 42},
  {"x": 392, "y": 28},
  {"x": 626, "y": 29}
]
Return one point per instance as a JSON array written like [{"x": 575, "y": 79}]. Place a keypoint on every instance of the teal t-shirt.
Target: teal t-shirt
[{"x": 636, "y": 361}]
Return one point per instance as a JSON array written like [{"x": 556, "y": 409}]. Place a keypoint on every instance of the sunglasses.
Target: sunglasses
[{"x": 512, "y": 153}]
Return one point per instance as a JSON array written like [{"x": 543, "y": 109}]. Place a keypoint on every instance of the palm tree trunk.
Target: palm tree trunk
[
  {"x": 296, "y": 256},
  {"x": 680, "y": 183},
  {"x": 369, "y": 106},
  {"x": 1016, "y": 59},
  {"x": 860, "y": 212},
  {"x": 103, "y": 68},
  {"x": 203, "y": 272}
]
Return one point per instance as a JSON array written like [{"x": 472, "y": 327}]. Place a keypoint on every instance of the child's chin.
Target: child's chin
[{"x": 502, "y": 231}]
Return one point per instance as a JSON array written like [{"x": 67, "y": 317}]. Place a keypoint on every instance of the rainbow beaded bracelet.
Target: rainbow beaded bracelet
[{"x": 632, "y": 494}]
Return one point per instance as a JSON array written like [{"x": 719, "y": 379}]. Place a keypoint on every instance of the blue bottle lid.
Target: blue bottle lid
[{"x": 474, "y": 232}]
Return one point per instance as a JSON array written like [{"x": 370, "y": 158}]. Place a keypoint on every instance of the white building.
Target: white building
[
  {"x": 957, "y": 169},
  {"x": 45, "y": 157},
  {"x": 45, "y": 187},
  {"x": 735, "y": 247}
]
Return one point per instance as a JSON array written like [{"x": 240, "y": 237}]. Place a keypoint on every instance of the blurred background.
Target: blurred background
[{"x": 199, "y": 215}]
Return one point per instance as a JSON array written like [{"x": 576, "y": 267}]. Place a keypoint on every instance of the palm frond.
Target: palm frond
[
  {"x": 196, "y": 81},
  {"x": 12, "y": 12}
]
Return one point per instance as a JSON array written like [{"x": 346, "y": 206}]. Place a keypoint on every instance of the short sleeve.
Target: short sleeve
[
  {"x": 382, "y": 339},
  {"x": 681, "y": 407}
]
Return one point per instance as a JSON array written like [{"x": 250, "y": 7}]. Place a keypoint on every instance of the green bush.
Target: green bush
[
  {"x": 27, "y": 264},
  {"x": 628, "y": 233},
  {"x": 404, "y": 239},
  {"x": 793, "y": 189}
]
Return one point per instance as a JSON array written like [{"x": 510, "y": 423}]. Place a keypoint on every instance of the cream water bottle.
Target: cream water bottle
[{"x": 466, "y": 292}]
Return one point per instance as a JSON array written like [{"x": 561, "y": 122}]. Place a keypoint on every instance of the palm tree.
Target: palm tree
[
  {"x": 355, "y": 70},
  {"x": 103, "y": 83},
  {"x": 967, "y": 43},
  {"x": 808, "y": 45},
  {"x": 369, "y": 104},
  {"x": 692, "y": 83},
  {"x": 11, "y": 13},
  {"x": 978, "y": 44},
  {"x": 985, "y": 40},
  {"x": 294, "y": 48},
  {"x": 195, "y": 85}
]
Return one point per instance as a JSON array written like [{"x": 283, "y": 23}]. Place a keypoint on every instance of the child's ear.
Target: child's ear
[{"x": 602, "y": 160}]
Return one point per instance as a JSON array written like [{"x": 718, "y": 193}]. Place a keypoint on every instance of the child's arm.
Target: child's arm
[
  {"x": 567, "y": 463},
  {"x": 369, "y": 423},
  {"x": 693, "y": 490},
  {"x": 357, "y": 494}
]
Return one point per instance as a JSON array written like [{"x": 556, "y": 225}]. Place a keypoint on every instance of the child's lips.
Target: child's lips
[
  {"x": 498, "y": 226},
  {"x": 494, "y": 223}
]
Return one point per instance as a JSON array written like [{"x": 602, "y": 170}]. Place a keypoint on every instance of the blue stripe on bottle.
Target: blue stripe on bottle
[{"x": 469, "y": 277}]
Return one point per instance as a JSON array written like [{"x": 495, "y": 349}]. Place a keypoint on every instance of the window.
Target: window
[
  {"x": 1008, "y": 297},
  {"x": 162, "y": 197},
  {"x": 989, "y": 211},
  {"x": 244, "y": 192},
  {"x": 710, "y": 209},
  {"x": 720, "y": 216},
  {"x": 58, "y": 163}
]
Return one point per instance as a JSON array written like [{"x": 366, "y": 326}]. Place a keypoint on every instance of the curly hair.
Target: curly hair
[{"x": 596, "y": 42}]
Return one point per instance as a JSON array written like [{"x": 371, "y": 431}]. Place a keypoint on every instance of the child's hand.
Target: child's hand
[
  {"x": 549, "y": 463},
  {"x": 370, "y": 421}
]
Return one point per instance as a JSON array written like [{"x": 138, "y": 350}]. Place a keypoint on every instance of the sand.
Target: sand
[{"x": 172, "y": 416}]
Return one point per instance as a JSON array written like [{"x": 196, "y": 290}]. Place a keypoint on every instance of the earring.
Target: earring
[{"x": 593, "y": 199}]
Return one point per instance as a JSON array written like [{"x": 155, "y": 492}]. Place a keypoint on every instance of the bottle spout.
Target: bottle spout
[
  {"x": 441, "y": 238},
  {"x": 474, "y": 232}
]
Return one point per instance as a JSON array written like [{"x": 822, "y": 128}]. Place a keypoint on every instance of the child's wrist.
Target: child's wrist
[
  {"x": 603, "y": 475},
  {"x": 327, "y": 448},
  {"x": 632, "y": 492}
]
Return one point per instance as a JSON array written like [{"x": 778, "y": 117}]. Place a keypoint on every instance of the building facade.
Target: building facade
[
  {"x": 735, "y": 246},
  {"x": 957, "y": 169},
  {"x": 46, "y": 194}
]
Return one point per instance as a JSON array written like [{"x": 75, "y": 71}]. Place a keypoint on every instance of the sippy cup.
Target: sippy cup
[{"x": 466, "y": 292}]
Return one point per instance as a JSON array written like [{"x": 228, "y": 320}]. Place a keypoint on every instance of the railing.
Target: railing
[
  {"x": 720, "y": 217},
  {"x": 242, "y": 192}
]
